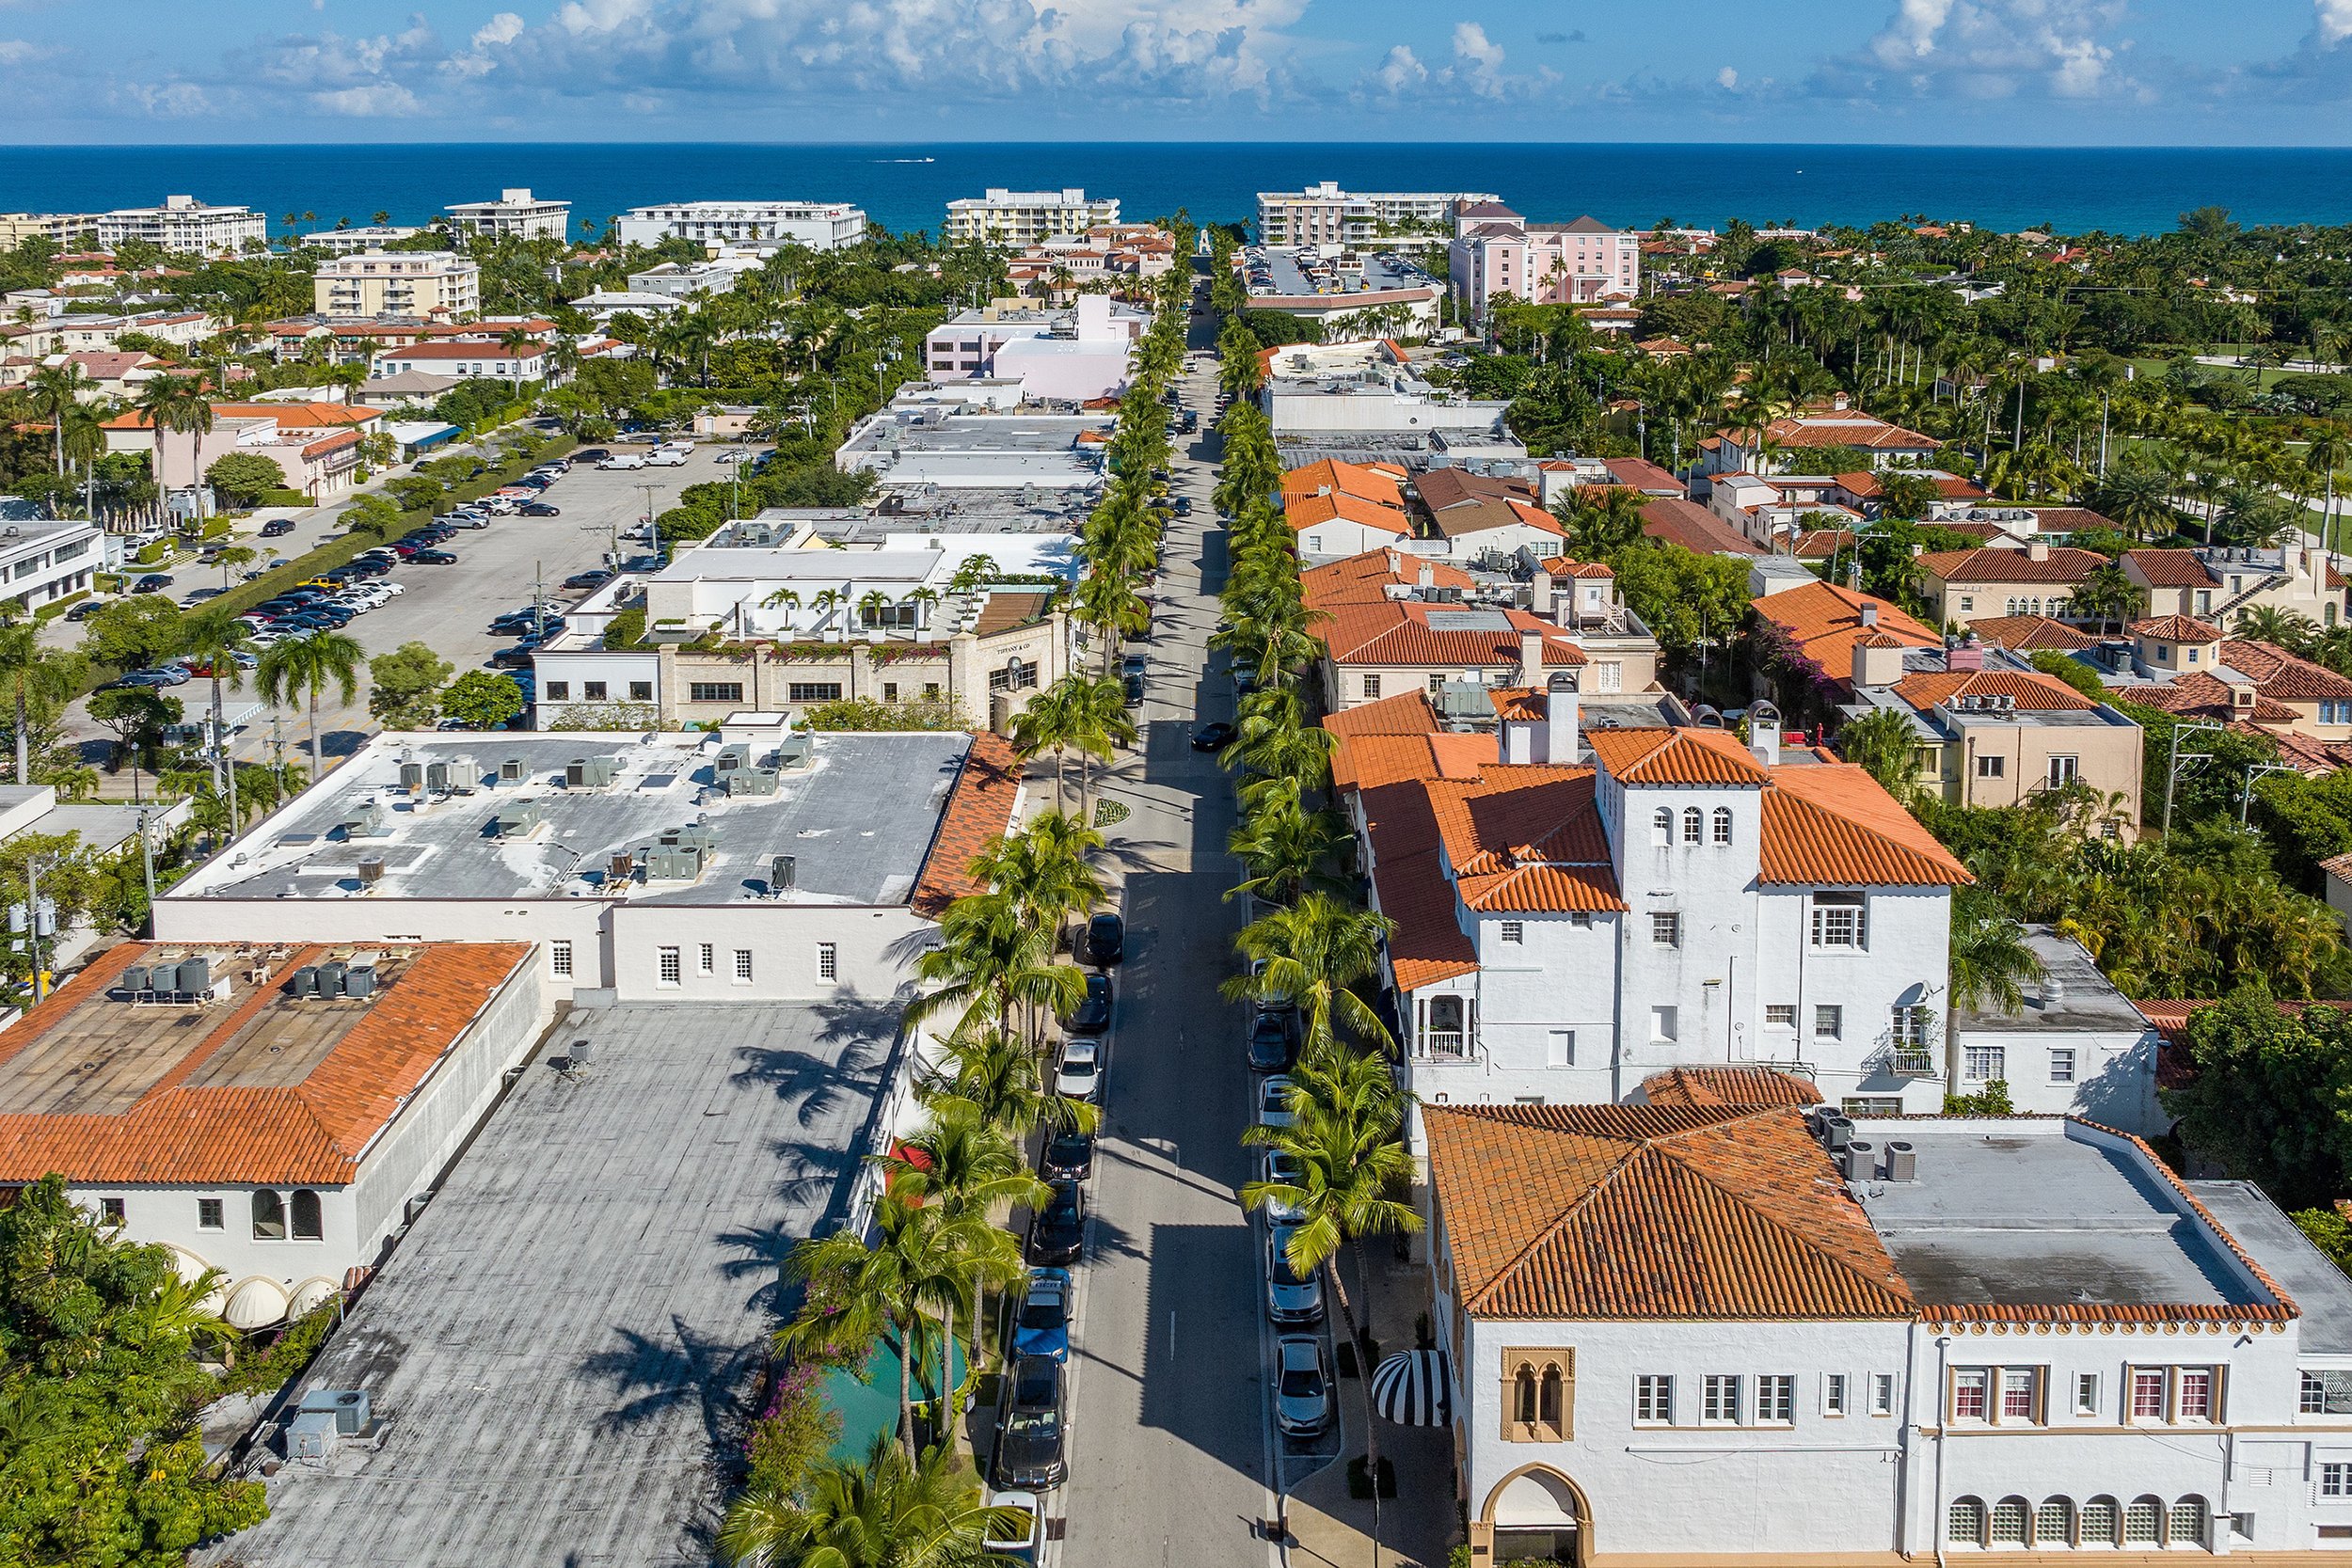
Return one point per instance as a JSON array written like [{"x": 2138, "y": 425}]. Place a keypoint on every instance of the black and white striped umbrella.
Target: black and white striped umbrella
[{"x": 1411, "y": 1388}]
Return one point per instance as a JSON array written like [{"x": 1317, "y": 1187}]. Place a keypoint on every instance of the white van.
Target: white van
[
  {"x": 664, "y": 457},
  {"x": 624, "y": 460}
]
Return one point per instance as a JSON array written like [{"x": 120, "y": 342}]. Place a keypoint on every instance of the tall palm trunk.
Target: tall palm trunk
[
  {"x": 24, "y": 745},
  {"x": 1364, "y": 1373},
  {"x": 906, "y": 1385}
]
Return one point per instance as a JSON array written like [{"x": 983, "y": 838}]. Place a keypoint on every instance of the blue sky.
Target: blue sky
[{"x": 1997, "y": 71}]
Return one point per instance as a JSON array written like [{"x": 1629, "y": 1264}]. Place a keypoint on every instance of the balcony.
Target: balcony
[
  {"x": 1443, "y": 1045},
  {"x": 1907, "y": 1061}
]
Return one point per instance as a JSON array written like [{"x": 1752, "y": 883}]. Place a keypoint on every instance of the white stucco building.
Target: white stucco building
[
  {"x": 1003, "y": 216},
  {"x": 281, "y": 1136},
  {"x": 431, "y": 285},
  {"x": 1325, "y": 214},
  {"x": 1703, "y": 1331},
  {"x": 1369, "y": 385},
  {"x": 41, "y": 562},
  {"x": 817, "y": 225},
  {"x": 186, "y": 227},
  {"x": 1069, "y": 356},
  {"x": 516, "y": 214}
]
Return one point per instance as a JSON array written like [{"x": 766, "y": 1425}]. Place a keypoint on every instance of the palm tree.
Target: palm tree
[
  {"x": 307, "y": 665},
  {"x": 1991, "y": 962},
  {"x": 1284, "y": 846},
  {"x": 1043, "y": 869},
  {"x": 177, "y": 404},
  {"x": 33, "y": 674},
  {"x": 1099, "y": 724},
  {"x": 513, "y": 341},
  {"x": 1344, "y": 1143},
  {"x": 215, "y": 636},
  {"x": 52, "y": 394},
  {"x": 991, "y": 961},
  {"x": 968, "y": 1167},
  {"x": 2287, "y": 628},
  {"x": 2329, "y": 450},
  {"x": 1312, "y": 953},
  {"x": 1005, "y": 1081},
  {"x": 885, "y": 1512},
  {"x": 1045, "y": 724}
]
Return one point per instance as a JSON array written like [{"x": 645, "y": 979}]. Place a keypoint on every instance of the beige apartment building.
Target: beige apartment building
[
  {"x": 1994, "y": 583},
  {"x": 430, "y": 285},
  {"x": 65, "y": 229}
]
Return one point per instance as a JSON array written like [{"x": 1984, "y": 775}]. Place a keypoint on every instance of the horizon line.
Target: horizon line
[{"x": 1189, "y": 141}]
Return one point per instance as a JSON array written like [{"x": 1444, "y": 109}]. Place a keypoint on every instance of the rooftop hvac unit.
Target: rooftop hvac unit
[
  {"x": 782, "y": 872},
  {"x": 620, "y": 868},
  {"x": 312, "y": 1435},
  {"x": 195, "y": 976},
  {"x": 135, "y": 979},
  {"x": 693, "y": 836},
  {"x": 304, "y": 981},
  {"x": 359, "y": 982},
  {"x": 752, "y": 780},
  {"x": 436, "y": 777},
  {"x": 796, "y": 750},
  {"x": 332, "y": 978},
  {"x": 518, "y": 819},
  {"x": 510, "y": 770},
  {"x": 412, "y": 776},
  {"x": 362, "y": 822},
  {"x": 348, "y": 1406},
  {"x": 590, "y": 773},
  {"x": 1862, "y": 1160},
  {"x": 1902, "y": 1161},
  {"x": 670, "y": 864},
  {"x": 732, "y": 757},
  {"x": 370, "y": 870}
]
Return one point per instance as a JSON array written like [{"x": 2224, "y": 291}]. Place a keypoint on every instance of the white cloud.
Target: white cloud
[
  {"x": 378, "y": 100},
  {"x": 1727, "y": 79},
  {"x": 2335, "y": 21},
  {"x": 1471, "y": 45},
  {"x": 505, "y": 27},
  {"x": 20, "y": 51},
  {"x": 1993, "y": 48},
  {"x": 1400, "y": 71},
  {"x": 165, "y": 99}
]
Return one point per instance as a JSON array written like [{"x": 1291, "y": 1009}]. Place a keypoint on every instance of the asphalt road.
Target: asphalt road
[
  {"x": 1173, "y": 1453},
  {"x": 451, "y": 607}
]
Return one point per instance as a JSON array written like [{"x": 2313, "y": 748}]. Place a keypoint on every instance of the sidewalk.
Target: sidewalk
[{"x": 1419, "y": 1526}]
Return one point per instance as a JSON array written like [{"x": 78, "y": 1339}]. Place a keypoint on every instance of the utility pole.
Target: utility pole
[
  {"x": 277, "y": 751},
  {"x": 2255, "y": 770},
  {"x": 35, "y": 918},
  {"x": 147, "y": 864},
  {"x": 649, "y": 489},
  {"x": 2172, "y": 767}
]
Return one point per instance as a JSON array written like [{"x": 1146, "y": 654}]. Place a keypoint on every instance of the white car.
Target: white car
[
  {"x": 1274, "y": 1101},
  {"x": 1080, "y": 1074},
  {"x": 1302, "y": 1386},
  {"x": 386, "y": 585},
  {"x": 1021, "y": 1535}
]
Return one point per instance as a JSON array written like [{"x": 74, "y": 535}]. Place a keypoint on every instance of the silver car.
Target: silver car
[
  {"x": 1274, "y": 1101},
  {"x": 1302, "y": 1386},
  {"x": 1080, "y": 1075},
  {"x": 1278, "y": 1169},
  {"x": 1290, "y": 1297}
]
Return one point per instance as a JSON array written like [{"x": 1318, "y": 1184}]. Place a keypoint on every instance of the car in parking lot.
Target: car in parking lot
[
  {"x": 624, "y": 460},
  {"x": 589, "y": 454},
  {"x": 1068, "y": 1156},
  {"x": 1057, "y": 1231},
  {"x": 154, "y": 583},
  {"x": 538, "y": 509},
  {"x": 84, "y": 609},
  {"x": 1269, "y": 1044},
  {"x": 1291, "y": 1295},
  {"x": 277, "y": 528},
  {"x": 1029, "y": 1447},
  {"x": 1274, "y": 1101},
  {"x": 1079, "y": 1074},
  {"x": 1106, "y": 939},
  {"x": 1302, "y": 1386},
  {"x": 524, "y": 620},
  {"x": 1093, "y": 1014},
  {"x": 594, "y": 577},
  {"x": 434, "y": 558},
  {"x": 517, "y": 658},
  {"x": 168, "y": 674},
  {"x": 1043, "y": 1326}
]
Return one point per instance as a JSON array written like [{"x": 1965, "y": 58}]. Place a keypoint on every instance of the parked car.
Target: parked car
[
  {"x": 1080, "y": 1072},
  {"x": 1282, "y": 1170},
  {"x": 155, "y": 582},
  {"x": 1016, "y": 1531},
  {"x": 537, "y": 509},
  {"x": 1302, "y": 1388},
  {"x": 1131, "y": 691},
  {"x": 1068, "y": 1156},
  {"x": 1269, "y": 1044},
  {"x": 516, "y": 621},
  {"x": 625, "y": 460},
  {"x": 1029, "y": 1449},
  {"x": 594, "y": 577},
  {"x": 1093, "y": 1015},
  {"x": 434, "y": 558},
  {"x": 1292, "y": 1296},
  {"x": 1184, "y": 503},
  {"x": 277, "y": 528},
  {"x": 1106, "y": 941},
  {"x": 517, "y": 658},
  {"x": 1213, "y": 737},
  {"x": 1057, "y": 1231},
  {"x": 665, "y": 457},
  {"x": 84, "y": 609},
  {"x": 588, "y": 454},
  {"x": 1274, "y": 1101},
  {"x": 1043, "y": 1326}
]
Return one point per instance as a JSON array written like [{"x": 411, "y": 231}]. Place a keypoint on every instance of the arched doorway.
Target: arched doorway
[{"x": 1535, "y": 1514}]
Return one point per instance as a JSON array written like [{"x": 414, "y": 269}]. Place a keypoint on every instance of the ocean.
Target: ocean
[{"x": 2118, "y": 190}]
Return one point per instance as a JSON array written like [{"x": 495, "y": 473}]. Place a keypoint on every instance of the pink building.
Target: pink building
[{"x": 1496, "y": 252}]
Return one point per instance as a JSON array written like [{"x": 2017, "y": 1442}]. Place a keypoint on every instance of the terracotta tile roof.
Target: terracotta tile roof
[
  {"x": 1950, "y": 487},
  {"x": 2307, "y": 755},
  {"x": 1727, "y": 1086},
  {"x": 1847, "y": 428},
  {"x": 1663, "y": 756},
  {"x": 2028, "y": 633},
  {"x": 1484, "y": 514},
  {"x": 1407, "y": 713},
  {"x": 1833, "y": 824},
  {"x": 2168, "y": 568},
  {"x": 1371, "y": 762},
  {"x": 1647, "y": 1211},
  {"x": 2029, "y": 691},
  {"x": 292, "y": 416},
  {"x": 2175, "y": 628},
  {"x": 2282, "y": 675},
  {"x": 979, "y": 807},
  {"x": 1439, "y": 488},
  {"x": 487, "y": 348},
  {"x": 1568, "y": 566},
  {"x": 1371, "y": 482},
  {"x": 1400, "y": 632},
  {"x": 1825, "y": 622},
  {"x": 2199, "y": 695},
  {"x": 1526, "y": 838},
  {"x": 2170, "y": 1016},
  {"x": 1428, "y": 945},
  {"x": 1672, "y": 520},
  {"x": 1821, "y": 543},
  {"x": 1985, "y": 564},
  {"x": 1637, "y": 473},
  {"x": 1517, "y": 702},
  {"x": 1306, "y": 512},
  {"x": 1983, "y": 533},
  {"x": 308, "y": 1132},
  {"x": 1366, "y": 579}
]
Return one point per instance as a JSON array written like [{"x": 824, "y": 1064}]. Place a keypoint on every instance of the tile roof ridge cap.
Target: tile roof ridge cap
[{"x": 1552, "y": 1226}]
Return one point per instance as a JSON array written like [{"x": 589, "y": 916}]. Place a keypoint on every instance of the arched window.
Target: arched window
[
  {"x": 2008, "y": 1522},
  {"x": 1691, "y": 825},
  {"x": 2053, "y": 1523},
  {"x": 2186, "y": 1527},
  {"x": 1723, "y": 826},
  {"x": 269, "y": 1216},
  {"x": 2098, "y": 1521},
  {"x": 1661, "y": 827},
  {"x": 1965, "y": 1528},
  {"x": 1523, "y": 1396},
  {"x": 2143, "y": 1521},
  {"x": 1550, "y": 1402},
  {"x": 308, "y": 1224}
]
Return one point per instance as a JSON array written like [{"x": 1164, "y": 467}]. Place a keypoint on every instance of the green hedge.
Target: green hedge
[
  {"x": 58, "y": 607},
  {"x": 154, "y": 554},
  {"x": 282, "y": 497}
]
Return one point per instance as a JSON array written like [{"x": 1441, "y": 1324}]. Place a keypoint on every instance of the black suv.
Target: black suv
[
  {"x": 1030, "y": 1448},
  {"x": 1057, "y": 1231},
  {"x": 1105, "y": 941}
]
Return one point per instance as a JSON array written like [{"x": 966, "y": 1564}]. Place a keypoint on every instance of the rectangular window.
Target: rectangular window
[
  {"x": 2335, "y": 1480},
  {"x": 2062, "y": 771},
  {"x": 559, "y": 692},
  {"x": 2062, "y": 1064},
  {"x": 1992, "y": 767},
  {"x": 1371, "y": 687},
  {"x": 2086, "y": 1393},
  {"x": 1664, "y": 1024},
  {"x": 208, "y": 1215},
  {"x": 1970, "y": 1386},
  {"x": 742, "y": 966},
  {"x": 1723, "y": 1400},
  {"x": 1837, "y": 920},
  {"x": 813, "y": 691},
  {"x": 890, "y": 692},
  {"x": 1513, "y": 931},
  {"x": 1561, "y": 1049},
  {"x": 593, "y": 690},
  {"x": 110, "y": 1211},
  {"x": 2017, "y": 1394},
  {"x": 718, "y": 691},
  {"x": 1908, "y": 1025},
  {"x": 1776, "y": 1398},
  {"x": 1653, "y": 1398},
  {"x": 828, "y": 961},
  {"x": 641, "y": 692},
  {"x": 672, "y": 971},
  {"x": 1982, "y": 1064},
  {"x": 1829, "y": 1022},
  {"x": 1871, "y": 1104},
  {"x": 1780, "y": 1014},
  {"x": 560, "y": 959},
  {"x": 1834, "y": 1394},
  {"x": 1882, "y": 1393},
  {"x": 707, "y": 960},
  {"x": 2326, "y": 1393},
  {"x": 1723, "y": 826},
  {"x": 2147, "y": 1395},
  {"x": 2194, "y": 1402},
  {"x": 1665, "y": 930}
]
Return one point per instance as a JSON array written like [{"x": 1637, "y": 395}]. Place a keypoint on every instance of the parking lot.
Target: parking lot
[
  {"x": 1282, "y": 274},
  {"x": 451, "y": 607}
]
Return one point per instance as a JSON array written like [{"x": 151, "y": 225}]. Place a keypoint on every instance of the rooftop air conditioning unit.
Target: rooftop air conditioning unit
[
  {"x": 412, "y": 776},
  {"x": 732, "y": 757},
  {"x": 752, "y": 780},
  {"x": 133, "y": 979},
  {"x": 348, "y": 1406},
  {"x": 436, "y": 777},
  {"x": 359, "y": 982},
  {"x": 665, "y": 863},
  {"x": 620, "y": 868},
  {"x": 518, "y": 819},
  {"x": 510, "y": 770},
  {"x": 370, "y": 870},
  {"x": 590, "y": 773},
  {"x": 782, "y": 872},
  {"x": 362, "y": 822},
  {"x": 332, "y": 978},
  {"x": 304, "y": 981}
]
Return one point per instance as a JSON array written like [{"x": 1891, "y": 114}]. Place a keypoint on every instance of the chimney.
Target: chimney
[
  {"x": 1764, "y": 739},
  {"x": 2038, "y": 550},
  {"x": 1518, "y": 742},
  {"x": 1560, "y": 720},
  {"x": 1878, "y": 661},
  {"x": 1396, "y": 563},
  {"x": 1426, "y": 576},
  {"x": 1969, "y": 654},
  {"x": 1532, "y": 658},
  {"x": 1869, "y": 612}
]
